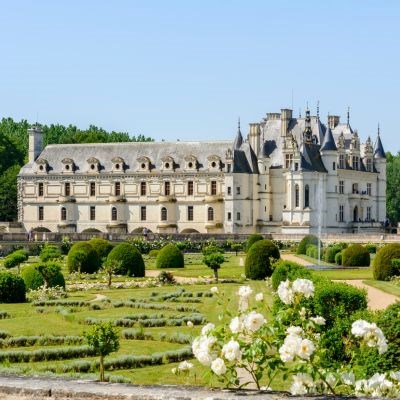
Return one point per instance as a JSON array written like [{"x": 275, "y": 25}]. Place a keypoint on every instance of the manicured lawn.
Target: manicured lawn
[
  {"x": 346, "y": 273},
  {"x": 387, "y": 287}
]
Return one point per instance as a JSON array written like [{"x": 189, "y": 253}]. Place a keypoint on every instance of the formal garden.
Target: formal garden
[{"x": 224, "y": 314}]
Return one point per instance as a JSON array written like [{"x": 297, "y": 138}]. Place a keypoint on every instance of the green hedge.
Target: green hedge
[
  {"x": 258, "y": 259},
  {"x": 15, "y": 258},
  {"x": 338, "y": 258},
  {"x": 50, "y": 252},
  {"x": 83, "y": 253},
  {"x": 131, "y": 260},
  {"x": 170, "y": 257},
  {"x": 312, "y": 251},
  {"x": 12, "y": 288},
  {"x": 33, "y": 278},
  {"x": 253, "y": 239},
  {"x": 355, "y": 256},
  {"x": 305, "y": 242},
  {"x": 101, "y": 246},
  {"x": 288, "y": 270},
  {"x": 382, "y": 264}
]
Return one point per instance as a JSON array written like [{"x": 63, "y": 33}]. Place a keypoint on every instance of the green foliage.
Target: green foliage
[
  {"x": 83, "y": 258},
  {"x": 110, "y": 267},
  {"x": 170, "y": 257},
  {"x": 143, "y": 245},
  {"x": 288, "y": 270},
  {"x": 382, "y": 266},
  {"x": 50, "y": 252},
  {"x": 166, "y": 278},
  {"x": 16, "y": 258},
  {"x": 214, "y": 261},
  {"x": 236, "y": 247},
  {"x": 211, "y": 248},
  {"x": 259, "y": 259},
  {"x": 305, "y": 242},
  {"x": 12, "y": 288},
  {"x": 154, "y": 253},
  {"x": 37, "y": 275},
  {"x": 392, "y": 187},
  {"x": 337, "y": 300},
  {"x": 131, "y": 260},
  {"x": 101, "y": 246},
  {"x": 371, "y": 247},
  {"x": 255, "y": 237},
  {"x": 338, "y": 258},
  {"x": 355, "y": 256},
  {"x": 331, "y": 251},
  {"x": 66, "y": 245},
  {"x": 312, "y": 251},
  {"x": 8, "y": 193}
]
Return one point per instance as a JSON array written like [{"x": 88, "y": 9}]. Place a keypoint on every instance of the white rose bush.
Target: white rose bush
[{"x": 249, "y": 347}]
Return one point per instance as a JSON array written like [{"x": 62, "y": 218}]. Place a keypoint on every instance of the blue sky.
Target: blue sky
[{"x": 186, "y": 70}]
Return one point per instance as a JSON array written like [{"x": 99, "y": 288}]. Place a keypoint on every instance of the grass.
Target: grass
[
  {"x": 346, "y": 273},
  {"x": 387, "y": 287}
]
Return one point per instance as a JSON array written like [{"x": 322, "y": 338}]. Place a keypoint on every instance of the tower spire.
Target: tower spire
[
  {"x": 318, "y": 110},
  {"x": 348, "y": 116},
  {"x": 379, "y": 130},
  {"x": 238, "y": 124}
]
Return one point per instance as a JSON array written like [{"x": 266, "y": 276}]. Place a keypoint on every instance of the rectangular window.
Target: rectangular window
[
  {"x": 92, "y": 213},
  {"x": 341, "y": 161},
  {"x": 143, "y": 213},
  {"x": 238, "y": 216},
  {"x": 229, "y": 190},
  {"x": 369, "y": 165},
  {"x": 213, "y": 188},
  {"x": 369, "y": 189},
  {"x": 63, "y": 214},
  {"x": 341, "y": 213},
  {"x": 92, "y": 188},
  {"x": 117, "y": 188},
  {"x": 288, "y": 160},
  {"x": 368, "y": 214},
  {"x": 228, "y": 168},
  {"x": 40, "y": 189},
  {"x": 355, "y": 188},
  {"x": 143, "y": 188},
  {"x": 334, "y": 166},
  {"x": 229, "y": 218},
  {"x": 67, "y": 189},
  {"x": 114, "y": 214},
  {"x": 41, "y": 213},
  {"x": 167, "y": 188},
  {"x": 238, "y": 190},
  {"x": 341, "y": 187},
  {"x": 355, "y": 162},
  {"x": 190, "y": 213},
  {"x": 190, "y": 188}
]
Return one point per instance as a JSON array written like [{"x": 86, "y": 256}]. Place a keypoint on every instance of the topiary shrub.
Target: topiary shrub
[
  {"x": 258, "y": 260},
  {"x": 131, "y": 260},
  {"x": 305, "y": 242},
  {"x": 255, "y": 237},
  {"x": 101, "y": 246},
  {"x": 288, "y": 270},
  {"x": 312, "y": 251},
  {"x": 338, "y": 258},
  {"x": 50, "y": 252},
  {"x": 170, "y": 257},
  {"x": 83, "y": 258},
  {"x": 371, "y": 247},
  {"x": 382, "y": 266},
  {"x": 355, "y": 256},
  {"x": 337, "y": 300},
  {"x": 15, "y": 258},
  {"x": 12, "y": 288},
  {"x": 34, "y": 279},
  {"x": 331, "y": 251},
  {"x": 154, "y": 253}
]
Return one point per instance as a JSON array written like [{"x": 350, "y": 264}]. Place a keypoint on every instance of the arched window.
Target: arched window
[
  {"x": 63, "y": 214},
  {"x": 114, "y": 214},
  {"x": 296, "y": 196},
  {"x": 306, "y": 196},
  {"x": 210, "y": 214},
  {"x": 164, "y": 214}
]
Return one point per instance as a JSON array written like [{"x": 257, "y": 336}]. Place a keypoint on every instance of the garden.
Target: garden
[{"x": 224, "y": 314}]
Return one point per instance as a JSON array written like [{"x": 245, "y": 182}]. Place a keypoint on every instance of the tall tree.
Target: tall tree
[{"x": 392, "y": 190}]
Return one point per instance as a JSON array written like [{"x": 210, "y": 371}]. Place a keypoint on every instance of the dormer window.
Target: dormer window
[
  {"x": 93, "y": 164},
  {"x": 144, "y": 163},
  {"x": 214, "y": 162},
  {"x": 68, "y": 165},
  {"x": 42, "y": 166},
  {"x": 118, "y": 164},
  {"x": 191, "y": 162},
  {"x": 168, "y": 163}
]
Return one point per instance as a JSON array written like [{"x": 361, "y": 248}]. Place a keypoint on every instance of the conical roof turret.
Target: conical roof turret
[
  {"x": 238, "y": 139},
  {"x": 329, "y": 142},
  {"x": 378, "y": 150}
]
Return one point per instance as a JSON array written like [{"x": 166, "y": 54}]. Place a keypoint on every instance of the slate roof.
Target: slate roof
[
  {"x": 329, "y": 142},
  {"x": 311, "y": 158},
  {"x": 378, "y": 150},
  {"x": 243, "y": 161}
]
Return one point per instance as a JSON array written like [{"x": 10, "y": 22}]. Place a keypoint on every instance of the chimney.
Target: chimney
[
  {"x": 35, "y": 142},
  {"x": 254, "y": 137},
  {"x": 333, "y": 121},
  {"x": 286, "y": 116}
]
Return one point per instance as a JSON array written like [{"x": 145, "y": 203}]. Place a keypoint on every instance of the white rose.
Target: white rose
[
  {"x": 204, "y": 357},
  {"x": 259, "y": 297},
  {"x": 253, "y": 321},
  {"x": 231, "y": 350},
  {"x": 236, "y": 325},
  {"x": 207, "y": 328},
  {"x": 348, "y": 378},
  {"x": 290, "y": 348},
  {"x": 294, "y": 330},
  {"x": 304, "y": 286},
  {"x": 318, "y": 320},
  {"x": 214, "y": 290},
  {"x": 189, "y": 324},
  {"x": 185, "y": 366},
  {"x": 218, "y": 366},
  {"x": 306, "y": 349},
  {"x": 395, "y": 375},
  {"x": 245, "y": 291},
  {"x": 298, "y": 389},
  {"x": 359, "y": 327},
  {"x": 285, "y": 292}
]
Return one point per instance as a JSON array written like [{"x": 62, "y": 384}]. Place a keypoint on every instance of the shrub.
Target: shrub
[
  {"x": 50, "y": 252},
  {"x": 34, "y": 279},
  {"x": 337, "y": 300},
  {"x": 258, "y": 259},
  {"x": 371, "y": 247},
  {"x": 355, "y": 256},
  {"x": 154, "y": 253},
  {"x": 170, "y": 257},
  {"x": 395, "y": 266},
  {"x": 214, "y": 261},
  {"x": 16, "y": 258},
  {"x": 131, "y": 260},
  {"x": 12, "y": 288},
  {"x": 288, "y": 270},
  {"x": 338, "y": 258},
  {"x": 83, "y": 258},
  {"x": 305, "y": 242},
  {"x": 101, "y": 246},
  {"x": 166, "y": 278},
  {"x": 331, "y": 251},
  {"x": 312, "y": 251},
  {"x": 253, "y": 239},
  {"x": 382, "y": 266},
  {"x": 65, "y": 245}
]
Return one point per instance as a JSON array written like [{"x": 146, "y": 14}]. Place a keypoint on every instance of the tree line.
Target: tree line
[{"x": 14, "y": 152}]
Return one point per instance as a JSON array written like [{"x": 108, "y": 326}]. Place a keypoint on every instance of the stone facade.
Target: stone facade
[{"x": 289, "y": 176}]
